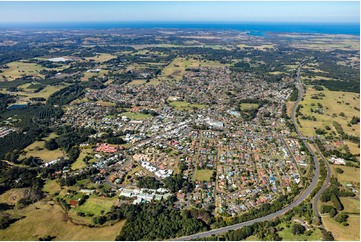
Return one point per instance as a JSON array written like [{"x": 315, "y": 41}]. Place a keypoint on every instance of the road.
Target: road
[
  {"x": 325, "y": 184},
  {"x": 295, "y": 203}
]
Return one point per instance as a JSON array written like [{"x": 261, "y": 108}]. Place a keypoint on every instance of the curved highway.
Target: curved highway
[
  {"x": 295, "y": 203},
  {"x": 324, "y": 186}
]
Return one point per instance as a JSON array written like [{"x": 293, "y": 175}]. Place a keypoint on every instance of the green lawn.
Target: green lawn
[
  {"x": 136, "y": 115},
  {"x": 42, "y": 220},
  {"x": 96, "y": 204},
  {"x": 51, "y": 186},
  {"x": 349, "y": 175},
  {"x": 79, "y": 163},
  {"x": 340, "y": 232},
  {"x": 350, "y": 204},
  {"x": 287, "y": 234},
  {"x": 203, "y": 175},
  {"x": 247, "y": 106},
  {"x": 181, "y": 105}
]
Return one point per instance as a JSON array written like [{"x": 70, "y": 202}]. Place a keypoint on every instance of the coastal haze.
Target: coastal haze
[{"x": 180, "y": 121}]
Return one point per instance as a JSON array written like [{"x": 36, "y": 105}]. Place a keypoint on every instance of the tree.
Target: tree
[
  {"x": 51, "y": 144},
  {"x": 298, "y": 229},
  {"x": 332, "y": 212},
  {"x": 327, "y": 235},
  {"x": 339, "y": 170},
  {"x": 99, "y": 220},
  {"x": 341, "y": 217}
]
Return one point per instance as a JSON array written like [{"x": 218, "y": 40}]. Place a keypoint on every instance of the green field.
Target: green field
[
  {"x": 287, "y": 235},
  {"x": 136, "y": 115},
  {"x": 79, "y": 163},
  {"x": 95, "y": 205},
  {"x": 101, "y": 57},
  {"x": 203, "y": 175},
  {"x": 340, "y": 232},
  {"x": 50, "y": 220},
  {"x": 106, "y": 104},
  {"x": 177, "y": 68},
  {"x": 37, "y": 149},
  {"x": 349, "y": 175},
  {"x": 88, "y": 75},
  {"x": 12, "y": 196},
  {"x": 137, "y": 82},
  {"x": 351, "y": 204},
  {"x": 333, "y": 103},
  {"x": 257, "y": 47},
  {"x": 180, "y": 105},
  {"x": 19, "y": 68},
  {"x": 248, "y": 106},
  {"x": 51, "y": 187}
]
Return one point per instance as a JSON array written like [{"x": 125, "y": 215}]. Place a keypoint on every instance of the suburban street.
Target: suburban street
[{"x": 296, "y": 202}]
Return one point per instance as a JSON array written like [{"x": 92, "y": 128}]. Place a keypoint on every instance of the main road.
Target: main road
[
  {"x": 325, "y": 184},
  {"x": 295, "y": 203}
]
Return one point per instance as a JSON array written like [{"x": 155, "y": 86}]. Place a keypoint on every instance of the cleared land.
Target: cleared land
[
  {"x": 51, "y": 187},
  {"x": 12, "y": 196},
  {"x": 333, "y": 104},
  {"x": 203, "y": 175},
  {"x": 95, "y": 205},
  {"x": 349, "y": 175},
  {"x": 177, "y": 68},
  {"x": 137, "y": 82},
  {"x": 257, "y": 47},
  {"x": 351, "y": 204},
  {"x": 79, "y": 163},
  {"x": 51, "y": 220},
  {"x": 248, "y": 106},
  {"x": 19, "y": 68},
  {"x": 327, "y": 45},
  {"x": 340, "y": 232},
  {"x": 104, "y": 103},
  {"x": 101, "y": 57},
  {"x": 287, "y": 235},
  {"x": 88, "y": 75},
  {"x": 37, "y": 149},
  {"x": 136, "y": 115},
  {"x": 44, "y": 93}
]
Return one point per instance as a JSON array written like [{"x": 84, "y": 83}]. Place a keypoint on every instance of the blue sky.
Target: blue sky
[{"x": 180, "y": 11}]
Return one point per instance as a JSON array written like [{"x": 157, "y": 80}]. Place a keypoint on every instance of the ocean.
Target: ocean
[{"x": 253, "y": 28}]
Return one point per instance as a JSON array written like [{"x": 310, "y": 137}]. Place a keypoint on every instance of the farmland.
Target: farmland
[
  {"x": 349, "y": 175},
  {"x": 340, "y": 232},
  {"x": 176, "y": 69},
  {"x": 50, "y": 220},
  {"x": 37, "y": 149},
  {"x": 20, "y": 68},
  {"x": 96, "y": 205},
  {"x": 336, "y": 106},
  {"x": 101, "y": 57}
]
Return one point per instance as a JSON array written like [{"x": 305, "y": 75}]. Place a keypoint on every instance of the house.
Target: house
[
  {"x": 337, "y": 161},
  {"x": 73, "y": 203},
  {"x": 87, "y": 191}
]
